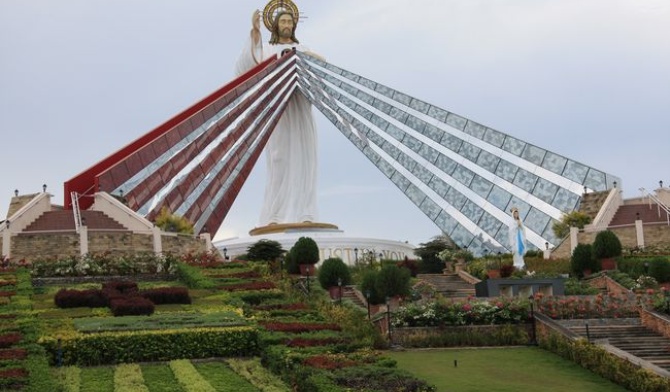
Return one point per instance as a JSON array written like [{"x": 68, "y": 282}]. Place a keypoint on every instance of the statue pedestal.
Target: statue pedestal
[
  {"x": 332, "y": 242},
  {"x": 290, "y": 227}
]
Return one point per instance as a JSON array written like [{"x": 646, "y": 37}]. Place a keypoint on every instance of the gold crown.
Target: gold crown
[{"x": 276, "y": 6}]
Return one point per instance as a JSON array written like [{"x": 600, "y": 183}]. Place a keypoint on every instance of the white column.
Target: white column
[
  {"x": 574, "y": 232},
  {"x": 6, "y": 243},
  {"x": 158, "y": 240},
  {"x": 208, "y": 241},
  {"x": 83, "y": 240},
  {"x": 639, "y": 231}
]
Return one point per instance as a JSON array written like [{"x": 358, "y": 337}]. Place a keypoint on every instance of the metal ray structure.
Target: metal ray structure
[{"x": 463, "y": 175}]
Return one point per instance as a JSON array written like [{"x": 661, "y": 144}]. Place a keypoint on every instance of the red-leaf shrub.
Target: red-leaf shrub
[
  {"x": 10, "y": 339},
  {"x": 328, "y": 363},
  {"x": 7, "y": 283},
  {"x": 7, "y": 293},
  {"x": 249, "y": 286},
  {"x": 7, "y": 316},
  {"x": 131, "y": 306},
  {"x": 14, "y": 373},
  {"x": 239, "y": 275},
  {"x": 167, "y": 295},
  {"x": 302, "y": 342},
  {"x": 93, "y": 298},
  {"x": 13, "y": 353},
  {"x": 295, "y": 306},
  {"x": 299, "y": 327},
  {"x": 124, "y": 287},
  {"x": 110, "y": 294}
]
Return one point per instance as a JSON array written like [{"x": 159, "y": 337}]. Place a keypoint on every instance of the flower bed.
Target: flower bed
[
  {"x": 302, "y": 342},
  {"x": 238, "y": 275},
  {"x": 441, "y": 313},
  {"x": 328, "y": 362},
  {"x": 298, "y": 327},
  {"x": 294, "y": 306},
  {"x": 599, "y": 306},
  {"x": 10, "y": 339},
  {"x": 13, "y": 353},
  {"x": 249, "y": 286}
]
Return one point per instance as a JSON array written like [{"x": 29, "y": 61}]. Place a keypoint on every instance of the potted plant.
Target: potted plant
[
  {"x": 306, "y": 253},
  {"x": 606, "y": 247},
  {"x": 493, "y": 269},
  {"x": 582, "y": 261},
  {"x": 333, "y": 274}
]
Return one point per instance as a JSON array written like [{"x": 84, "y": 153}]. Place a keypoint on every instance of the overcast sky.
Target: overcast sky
[{"x": 588, "y": 79}]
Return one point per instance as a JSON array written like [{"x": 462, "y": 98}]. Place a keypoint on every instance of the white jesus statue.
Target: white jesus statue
[{"x": 290, "y": 191}]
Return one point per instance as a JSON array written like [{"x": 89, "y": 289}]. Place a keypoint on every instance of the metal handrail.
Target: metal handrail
[{"x": 658, "y": 202}]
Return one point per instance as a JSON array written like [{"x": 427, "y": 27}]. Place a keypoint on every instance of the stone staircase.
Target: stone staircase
[
  {"x": 449, "y": 285},
  {"x": 628, "y": 335},
  {"x": 61, "y": 220},
  {"x": 591, "y": 203},
  {"x": 349, "y": 294},
  {"x": 627, "y": 214}
]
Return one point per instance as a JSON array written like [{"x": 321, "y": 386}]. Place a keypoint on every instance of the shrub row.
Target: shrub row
[
  {"x": 128, "y": 378},
  {"x": 601, "y": 362},
  {"x": 189, "y": 378},
  {"x": 125, "y": 347},
  {"x": 122, "y": 297},
  {"x": 9, "y": 339},
  {"x": 167, "y": 295},
  {"x": 131, "y": 306},
  {"x": 249, "y": 286}
]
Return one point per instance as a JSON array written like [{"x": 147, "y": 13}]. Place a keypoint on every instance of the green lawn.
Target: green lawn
[{"x": 500, "y": 370}]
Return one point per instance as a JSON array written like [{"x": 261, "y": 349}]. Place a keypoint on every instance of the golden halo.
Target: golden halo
[{"x": 276, "y": 6}]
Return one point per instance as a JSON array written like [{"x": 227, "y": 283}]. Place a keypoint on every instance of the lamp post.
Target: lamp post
[
  {"x": 44, "y": 188},
  {"x": 646, "y": 268},
  {"x": 7, "y": 224},
  {"x": 356, "y": 255},
  {"x": 533, "y": 337},
  {"x": 339, "y": 285},
  {"x": 388, "y": 318},
  {"x": 367, "y": 300},
  {"x": 307, "y": 272}
]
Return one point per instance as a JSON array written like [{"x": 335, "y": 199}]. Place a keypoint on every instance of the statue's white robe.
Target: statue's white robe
[
  {"x": 517, "y": 241},
  {"x": 290, "y": 191}
]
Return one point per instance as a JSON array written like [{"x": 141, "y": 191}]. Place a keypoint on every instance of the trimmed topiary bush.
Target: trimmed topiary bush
[
  {"x": 369, "y": 286},
  {"x": 331, "y": 270},
  {"x": 606, "y": 245},
  {"x": 659, "y": 269},
  {"x": 265, "y": 250},
  {"x": 582, "y": 259},
  {"x": 393, "y": 281},
  {"x": 305, "y": 251}
]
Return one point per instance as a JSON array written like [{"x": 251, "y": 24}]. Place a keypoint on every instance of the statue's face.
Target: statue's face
[
  {"x": 285, "y": 26},
  {"x": 515, "y": 214}
]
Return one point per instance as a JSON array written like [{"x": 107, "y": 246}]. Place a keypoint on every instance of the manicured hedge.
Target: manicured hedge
[
  {"x": 131, "y": 306},
  {"x": 144, "y": 346},
  {"x": 167, "y": 295},
  {"x": 93, "y": 298},
  {"x": 603, "y": 363}
]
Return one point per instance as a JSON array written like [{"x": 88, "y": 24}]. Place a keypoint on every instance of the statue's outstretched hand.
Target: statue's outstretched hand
[{"x": 256, "y": 27}]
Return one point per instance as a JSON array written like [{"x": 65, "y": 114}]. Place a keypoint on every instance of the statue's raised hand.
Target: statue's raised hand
[
  {"x": 256, "y": 20},
  {"x": 256, "y": 27}
]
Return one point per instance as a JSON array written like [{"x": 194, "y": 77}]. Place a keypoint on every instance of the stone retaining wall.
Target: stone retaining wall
[
  {"x": 406, "y": 335},
  {"x": 655, "y": 321}
]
